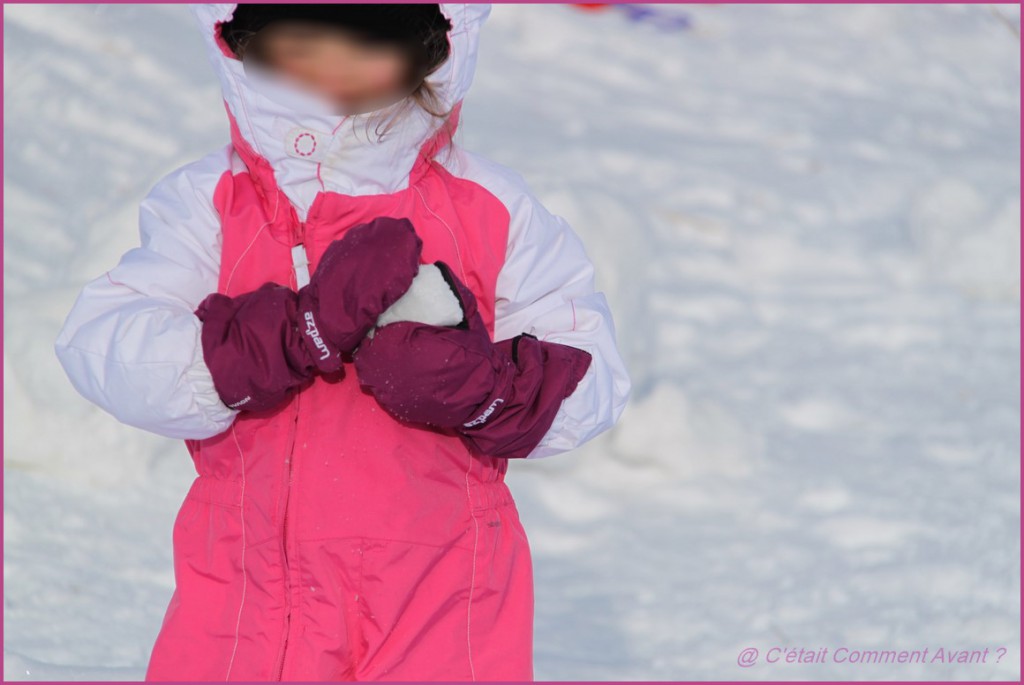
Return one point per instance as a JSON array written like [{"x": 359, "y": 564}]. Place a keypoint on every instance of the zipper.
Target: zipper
[
  {"x": 284, "y": 542},
  {"x": 300, "y": 262}
]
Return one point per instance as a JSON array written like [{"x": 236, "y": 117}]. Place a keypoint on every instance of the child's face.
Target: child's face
[{"x": 356, "y": 75}]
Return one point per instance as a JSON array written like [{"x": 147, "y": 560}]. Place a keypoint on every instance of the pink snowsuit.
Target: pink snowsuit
[{"x": 327, "y": 540}]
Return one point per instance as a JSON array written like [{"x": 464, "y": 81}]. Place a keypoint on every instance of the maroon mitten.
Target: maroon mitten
[
  {"x": 261, "y": 345},
  {"x": 500, "y": 397}
]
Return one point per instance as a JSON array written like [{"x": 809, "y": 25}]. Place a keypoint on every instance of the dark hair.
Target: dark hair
[{"x": 419, "y": 30}]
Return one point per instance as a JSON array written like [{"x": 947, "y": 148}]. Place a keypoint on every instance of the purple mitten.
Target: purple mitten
[
  {"x": 254, "y": 347},
  {"x": 261, "y": 345},
  {"x": 358, "y": 277},
  {"x": 500, "y": 397}
]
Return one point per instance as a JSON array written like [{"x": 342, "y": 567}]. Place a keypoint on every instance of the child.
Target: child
[{"x": 353, "y": 333}]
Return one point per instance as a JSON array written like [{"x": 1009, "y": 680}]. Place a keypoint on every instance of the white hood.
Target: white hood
[{"x": 310, "y": 148}]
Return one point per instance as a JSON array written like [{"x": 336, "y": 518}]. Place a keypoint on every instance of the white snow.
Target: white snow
[
  {"x": 428, "y": 300},
  {"x": 806, "y": 219}
]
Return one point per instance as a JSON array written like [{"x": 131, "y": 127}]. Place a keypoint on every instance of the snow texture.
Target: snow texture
[
  {"x": 806, "y": 219},
  {"x": 428, "y": 300}
]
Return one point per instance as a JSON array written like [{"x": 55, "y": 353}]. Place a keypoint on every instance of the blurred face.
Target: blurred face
[{"x": 355, "y": 74}]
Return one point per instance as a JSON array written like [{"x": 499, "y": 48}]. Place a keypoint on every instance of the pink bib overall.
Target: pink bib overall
[{"x": 326, "y": 540}]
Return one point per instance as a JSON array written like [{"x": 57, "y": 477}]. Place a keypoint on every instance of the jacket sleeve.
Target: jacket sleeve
[
  {"x": 546, "y": 288},
  {"x": 131, "y": 343}
]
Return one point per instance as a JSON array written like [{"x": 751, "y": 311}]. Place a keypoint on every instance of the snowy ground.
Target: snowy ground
[{"x": 806, "y": 219}]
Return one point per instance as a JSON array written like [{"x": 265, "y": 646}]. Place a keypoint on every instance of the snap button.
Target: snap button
[{"x": 305, "y": 143}]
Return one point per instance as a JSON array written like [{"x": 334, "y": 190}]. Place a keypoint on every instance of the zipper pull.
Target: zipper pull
[{"x": 300, "y": 262}]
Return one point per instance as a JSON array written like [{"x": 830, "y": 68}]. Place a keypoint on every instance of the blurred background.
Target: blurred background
[{"x": 807, "y": 222}]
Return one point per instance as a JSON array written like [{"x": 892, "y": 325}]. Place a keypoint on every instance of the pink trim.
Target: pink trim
[
  {"x": 265, "y": 185},
  {"x": 218, "y": 38},
  {"x": 434, "y": 144},
  {"x": 319, "y": 164},
  {"x": 444, "y": 135},
  {"x": 339, "y": 124}
]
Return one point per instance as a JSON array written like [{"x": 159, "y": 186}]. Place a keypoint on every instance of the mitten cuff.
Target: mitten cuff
[
  {"x": 546, "y": 373},
  {"x": 318, "y": 346}
]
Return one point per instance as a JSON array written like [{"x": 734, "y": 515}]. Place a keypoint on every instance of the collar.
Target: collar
[{"x": 294, "y": 142}]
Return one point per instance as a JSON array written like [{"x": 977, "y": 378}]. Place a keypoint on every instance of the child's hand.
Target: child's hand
[
  {"x": 262, "y": 344},
  {"x": 501, "y": 397}
]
